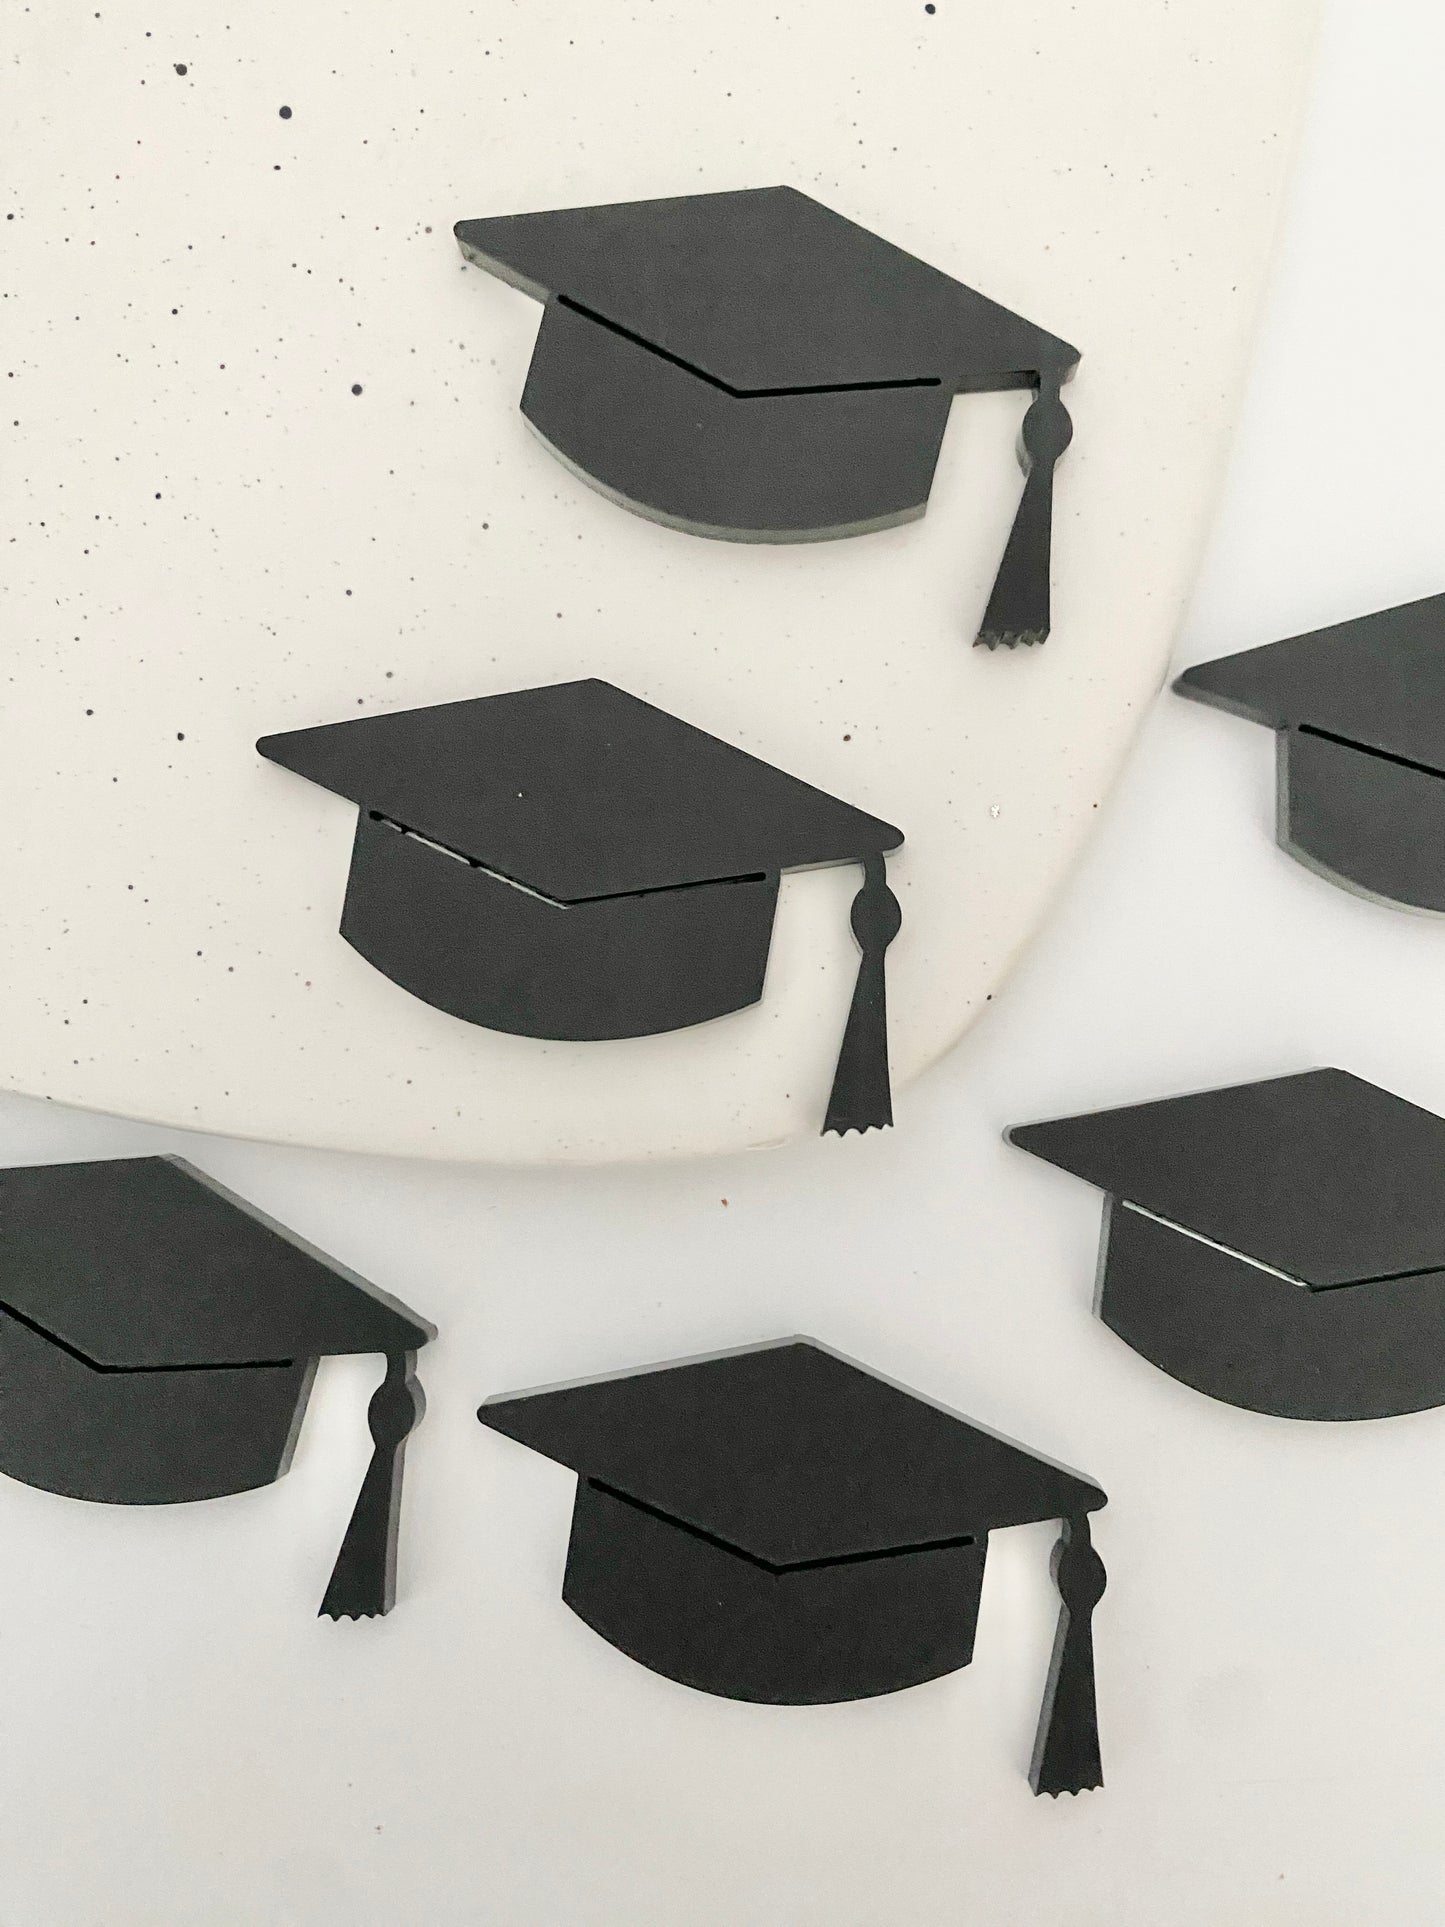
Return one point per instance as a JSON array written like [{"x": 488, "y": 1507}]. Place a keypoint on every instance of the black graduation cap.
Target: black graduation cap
[
  {"x": 754, "y": 366},
  {"x": 1278, "y": 1245},
  {"x": 1359, "y": 711},
  {"x": 570, "y": 862},
  {"x": 781, "y": 1525},
  {"x": 158, "y": 1339}
]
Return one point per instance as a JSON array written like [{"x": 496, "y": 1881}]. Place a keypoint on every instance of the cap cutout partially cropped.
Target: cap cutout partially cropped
[
  {"x": 1279, "y": 1245},
  {"x": 1359, "y": 715},
  {"x": 158, "y": 1338}
]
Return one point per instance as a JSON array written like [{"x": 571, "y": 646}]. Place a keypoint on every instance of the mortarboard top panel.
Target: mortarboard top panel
[
  {"x": 763, "y": 290},
  {"x": 1321, "y": 1175},
  {"x": 145, "y": 1264},
  {"x": 580, "y": 791},
  {"x": 1377, "y": 681},
  {"x": 791, "y": 1455}
]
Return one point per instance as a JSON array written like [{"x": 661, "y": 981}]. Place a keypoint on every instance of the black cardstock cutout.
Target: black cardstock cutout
[
  {"x": 780, "y": 1525},
  {"x": 572, "y": 863},
  {"x": 755, "y": 367},
  {"x": 1279, "y": 1246},
  {"x": 158, "y": 1340},
  {"x": 1358, "y": 712}
]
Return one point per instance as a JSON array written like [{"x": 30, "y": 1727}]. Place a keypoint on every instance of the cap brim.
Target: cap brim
[
  {"x": 1369, "y": 823},
  {"x": 1253, "y": 1339},
  {"x": 473, "y": 945},
  {"x": 669, "y": 445}
]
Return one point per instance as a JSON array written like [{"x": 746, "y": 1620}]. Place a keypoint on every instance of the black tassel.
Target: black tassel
[
  {"x": 861, "y": 1098},
  {"x": 1018, "y": 609},
  {"x": 363, "y": 1580},
  {"x": 1066, "y": 1752}
]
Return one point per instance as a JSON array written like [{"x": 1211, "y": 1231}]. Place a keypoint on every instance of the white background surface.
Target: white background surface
[{"x": 184, "y": 1744}]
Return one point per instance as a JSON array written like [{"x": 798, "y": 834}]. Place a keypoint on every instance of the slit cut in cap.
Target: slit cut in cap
[
  {"x": 753, "y": 366},
  {"x": 621, "y": 869}
]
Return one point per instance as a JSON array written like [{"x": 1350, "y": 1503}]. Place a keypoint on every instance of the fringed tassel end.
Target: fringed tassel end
[
  {"x": 363, "y": 1580},
  {"x": 862, "y": 1097},
  {"x": 1018, "y": 609},
  {"x": 1066, "y": 1752}
]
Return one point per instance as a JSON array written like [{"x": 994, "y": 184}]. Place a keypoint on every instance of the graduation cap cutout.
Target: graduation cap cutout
[
  {"x": 752, "y": 365},
  {"x": 779, "y": 1524},
  {"x": 158, "y": 1339},
  {"x": 570, "y": 862},
  {"x": 1359, "y": 715},
  {"x": 1279, "y": 1245}
]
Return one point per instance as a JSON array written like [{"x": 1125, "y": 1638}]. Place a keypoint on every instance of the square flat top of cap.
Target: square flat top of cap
[
  {"x": 791, "y": 1454},
  {"x": 579, "y": 790},
  {"x": 763, "y": 289},
  {"x": 1322, "y": 1176},
  {"x": 1378, "y": 681},
  {"x": 143, "y": 1264}
]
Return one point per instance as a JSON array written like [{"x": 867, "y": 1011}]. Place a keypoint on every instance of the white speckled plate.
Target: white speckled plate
[{"x": 212, "y": 535}]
